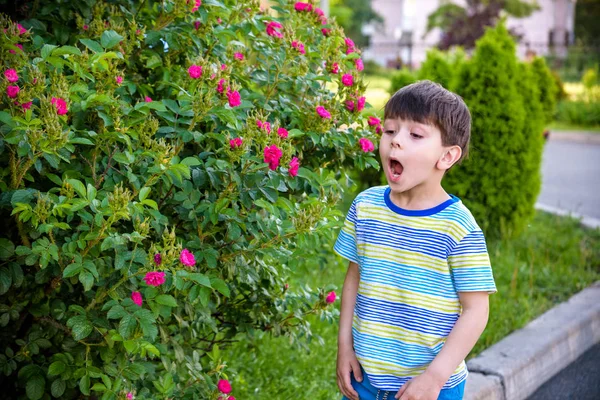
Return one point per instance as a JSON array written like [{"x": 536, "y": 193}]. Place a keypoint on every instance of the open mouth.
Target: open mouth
[{"x": 396, "y": 169}]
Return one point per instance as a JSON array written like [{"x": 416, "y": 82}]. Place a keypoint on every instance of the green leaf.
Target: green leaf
[
  {"x": 72, "y": 270},
  {"x": 116, "y": 312},
  {"x": 66, "y": 50},
  {"x": 167, "y": 300},
  {"x": 47, "y": 50},
  {"x": 92, "y": 45},
  {"x": 5, "y": 280},
  {"x": 56, "y": 368},
  {"x": 127, "y": 326},
  {"x": 84, "y": 385},
  {"x": 35, "y": 387},
  {"x": 199, "y": 278},
  {"x": 190, "y": 161},
  {"x": 144, "y": 193},
  {"x": 220, "y": 286},
  {"x": 7, "y": 249},
  {"x": 78, "y": 186},
  {"x": 110, "y": 39},
  {"x": 148, "y": 328},
  {"x": 87, "y": 279},
  {"x": 58, "y": 388},
  {"x": 80, "y": 327}
]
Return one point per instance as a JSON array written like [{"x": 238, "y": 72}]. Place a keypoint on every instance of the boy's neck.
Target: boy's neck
[{"x": 420, "y": 197}]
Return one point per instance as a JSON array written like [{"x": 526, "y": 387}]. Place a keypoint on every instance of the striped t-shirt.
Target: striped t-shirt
[{"x": 412, "y": 265}]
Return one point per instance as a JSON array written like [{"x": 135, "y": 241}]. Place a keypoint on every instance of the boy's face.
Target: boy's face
[{"x": 412, "y": 154}]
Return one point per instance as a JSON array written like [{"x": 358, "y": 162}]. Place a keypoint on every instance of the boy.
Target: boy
[{"x": 415, "y": 297}]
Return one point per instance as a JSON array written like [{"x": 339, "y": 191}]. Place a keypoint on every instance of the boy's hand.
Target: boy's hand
[
  {"x": 422, "y": 387},
  {"x": 346, "y": 363}
]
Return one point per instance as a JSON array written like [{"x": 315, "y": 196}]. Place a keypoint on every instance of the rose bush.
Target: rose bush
[{"x": 161, "y": 164}]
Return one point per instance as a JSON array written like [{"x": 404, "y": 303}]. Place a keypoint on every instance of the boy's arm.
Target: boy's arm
[
  {"x": 346, "y": 360},
  {"x": 460, "y": 341}
]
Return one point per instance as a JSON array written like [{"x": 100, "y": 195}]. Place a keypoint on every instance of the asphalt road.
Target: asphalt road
[
  {"x": 578, "y": 381},
  {"x": 571, "y": 177}
]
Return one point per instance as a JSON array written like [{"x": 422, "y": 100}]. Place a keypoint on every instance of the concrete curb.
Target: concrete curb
[
  {"x": 515, "y": 367},
  {"x": 579, "y": 137},
  {"x": 589, "y": 222}
]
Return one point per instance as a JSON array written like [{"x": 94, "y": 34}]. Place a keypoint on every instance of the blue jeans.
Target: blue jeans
[{"x": 366, "y": 391}]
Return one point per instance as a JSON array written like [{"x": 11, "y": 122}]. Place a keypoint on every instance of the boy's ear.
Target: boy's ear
[{"x": 450, "y": 156}]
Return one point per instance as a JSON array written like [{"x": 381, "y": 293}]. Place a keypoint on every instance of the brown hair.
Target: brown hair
[{"x": 428, "y": 102}]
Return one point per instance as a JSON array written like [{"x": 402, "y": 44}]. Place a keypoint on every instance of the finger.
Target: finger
[
  {"x": 342, "y": 388},
  {"x": 402, "y": 390},
  {"x": 349, "y": 388},
  {"x": 357, "y": 371}
]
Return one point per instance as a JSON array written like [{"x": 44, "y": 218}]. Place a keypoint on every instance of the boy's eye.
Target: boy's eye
[
  {"x": 390, "y": 132},
  {"x": 416, "y": 135}
]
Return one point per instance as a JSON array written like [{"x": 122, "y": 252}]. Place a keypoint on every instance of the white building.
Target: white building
[{"x": 402, "y": 34}]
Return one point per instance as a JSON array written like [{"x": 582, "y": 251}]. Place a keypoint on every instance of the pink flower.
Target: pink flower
[
  {"x": 231, "y": 398},
  {"x": 235, "y": 143},
  {"x": 154, "y": 278},
  {"x": 234, "y": 98},
  {"x": 294, "y": 165},
  {"x": 20, "y": 46},
  {"x": 282, "y": 132},
  {"x": 147, "y": 99},
  {"x": 374, "y": 121},
  {"x": 60, "y": 104},
  {"x": 325, "y": 31},
  {"x": 319, "y": 12},
  {"x": 378, "y": 129},
  {"x": 219, "y": 20},
  {"x": 138, "y": 31},
  {"x": 359, "y": 64},
  {"x": 349, "y": 45},
  {"x": 195, "y": 71},
  {"x": 197, "y": 5},
  {"x": 85, "y": 27},
  {"x": 197, "y": 24},
  {"x": 298, "y": 46},
  {"x": 272, "y": 29},
  {"x": 213, "y": 76},
  {"x": 220, "y": 85},
  {"x": 366, "y": 145},
  {"x": 286, "y": 286},
  {"x": 223, "y": 67},
  {"x": 264, "y": 125},
  {"x": 323, "y": 113},
  {"x": 26, "y": 106},
  {"x": 335, "y": 68},
  {"x": 157, "y": 259},
  {"x": 347, "y": 80},
  {"x": 11, "y": 75},
  {"x": 224, "y": 386},
  {"x": 21, "y": 29},
  {"x": 350, "y": 105},
  {"x": 300, "y": 6},
  {"x": 238, "y": 56},
  {"x": 137, "y": 298},
  {"x": 129, "y": 396},
  {"x": 119, "y": 79},
  {"x": 330, "y": 297},
  {"x": 360, "y": 104},
  {"x": 272, "y": 156},
  {"x": 187, "y": 258}
]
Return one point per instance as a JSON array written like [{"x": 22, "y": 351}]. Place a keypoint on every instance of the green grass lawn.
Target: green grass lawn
[
  {"x": 560, "y": 126},
  {"x": 551, "y": 261}
]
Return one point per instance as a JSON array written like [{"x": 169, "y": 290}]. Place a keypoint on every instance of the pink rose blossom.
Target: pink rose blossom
[
  {"x": 374, "y": 121},
  {"x": 378, "y": 129},
  {"x": 60, "y": 104},
  {"x": 137, "y": 31},
  {"x": 235, "y": 143},
  {"x": 20, "y": 46},
  {"x": 234, "y": 98},
  {"x": 129, "y": 396},
  {"x": 27, "y": 106},
  {"x": 238, "y": 56},
  {"x": 195, "y": 71},
  {"x": 298, "y": 46},
  {"x": 272, "y": 155},
  {"x": 319, "y": 12},
  {"x": 282, "y": 132},
  {"x": 348, "y": 80},
  {"x": 231, "y": 398},
  {"x": 11, "y": 75},
  {"x": 366, "y": 145},
  {"x": 272, "y": 29},
  {"x": 286, "y": 286},
  {"x": 137, "y": 298},
  {"x": 323, "y": 113},
  {"x": 325, "y": 31},
  {"x": 219, "y": 20},
  {"x": 360, "y": 104},
  {"x": 220, "y": 86},
  {"x": 294, "y": 165},
  {"x": 264, "y": 125},
  {"x": 224, "y": 386},
  {"x": 85, "y": 27},
  {"x": 187, "y": 258},
  {"x": 147, "y": 99},
  {"x": 349, "y": 42},
  {"x": 223, "y": 67},
  {"x": 335, "y": 68},
  {"x": 359, "y": 64},
  {"x": 119, "y": 79},
  {"x": 157, "y": 259},
  {"x": 330, "y": 297},
  {"x": 154, "y": 278},
  {"x": 197, "y": 4},
  {"x": 349, "y": 105},
  {"x": 300, "y": 6},
  {"x": 197, "y": 24},
  {"x": 21, "y": 29},
  {"x": 213, "y": 76}
]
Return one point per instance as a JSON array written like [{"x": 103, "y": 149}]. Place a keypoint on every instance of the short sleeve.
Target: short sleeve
[
  {"x": 345, "y": 244},
  {"x": 470, "y": 265}
]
